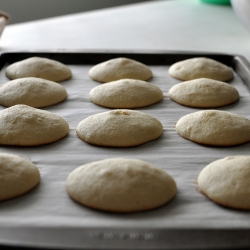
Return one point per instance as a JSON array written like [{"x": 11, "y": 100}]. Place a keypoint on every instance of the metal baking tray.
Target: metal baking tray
[{"x": 169, "y": 227}]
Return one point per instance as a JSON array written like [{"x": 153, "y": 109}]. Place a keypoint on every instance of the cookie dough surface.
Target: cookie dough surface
[
  {"x": 39, "y": 67},
  {"x": 120, "y": 185},
  {"x": 200, "y": 67},
  {"x": 214, "y": 128},
  {"x": 119, "y": 128},
  {"x": 126, "y": 93},
  {"x": 18, "y": 176},
  {"x": 203, "y": 93},
  {"x": 32, "y": 91},
  {"x": 227, "y": 182},
  {"x": 22, "y": 125},
  {"x": 120, "y": 68}
]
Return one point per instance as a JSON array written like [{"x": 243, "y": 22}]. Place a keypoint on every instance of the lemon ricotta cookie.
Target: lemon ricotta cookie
[
  {"x": 39, "y": 67},
  {"x": 203, "y": 93},
  {"x": 22, "y": 125},
  {"x": 120, "y": 68},
  {"x": 227, "y": 182},
  {"x": 200, "y": 67},
  {"x": 32, "y": 91},
  {"x": 18, "y": 176},
  {"x": 126, "y": 93},
  {"x": 120, "y": 185},
  {"x": 119, "y": 128},
  {"x": 214, "y": 128}
]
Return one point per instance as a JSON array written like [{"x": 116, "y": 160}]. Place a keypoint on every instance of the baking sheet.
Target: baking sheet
[{"x": 46, "y": 217}]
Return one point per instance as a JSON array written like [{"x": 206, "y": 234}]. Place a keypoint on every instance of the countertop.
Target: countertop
[{"x": 174, "y": 25}]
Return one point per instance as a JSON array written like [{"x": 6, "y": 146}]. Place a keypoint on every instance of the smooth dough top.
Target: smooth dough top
[
  {"x": 32, "y": 91},
  {"x": 39, "y": 67},
  {"x": 227, "y": 181},
  {"x": 126, "y": 93},
  {"x": 120, "y": 68},
  {"x": 22, "y": 125},
  {"x": 119, "y": 128},
  {"x": 120, "y": 185},
  {"x": 215, "y": 128},
  {"x": 203, "y": 93},
  {"x": 18, "y": 176},
  {"x": 200, "y": 67}
]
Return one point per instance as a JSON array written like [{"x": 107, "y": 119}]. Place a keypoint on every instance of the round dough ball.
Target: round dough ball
[
  {"x": 120, "y": 185},
  {"x": 22, "y": 125},
  {"x": 39, "y": 67},
  {"x": 227, "y": 182},
  {"x": 119, "y": 128},
  {"x": 120, "y": 68},
  {"x": 200, "y": 67},
  {"x": 18, "y": 176},
  {"x": 215, "y": 128},
  {"x": 204, "y": 93},
  {"x": 126, "y": 93},
  {"x": 32, "y": 91}
]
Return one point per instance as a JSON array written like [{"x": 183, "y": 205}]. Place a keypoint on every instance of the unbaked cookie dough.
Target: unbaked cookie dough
[
  {"x": 126, "y": 93},
  {"x": 22, "y": 125},
  {"x": 119, "y": 128},
  {"x": 120, "y": 185},
  {"x": 204, "y": 93},
  {"x": 200, "y": 67},
  {"x": 18, "y": 176},
  {"x": 227, "y": 182},
  {"x": 214, "y": 128},
  {"x": 32, "y": 91},
  {"x": 39, "y": 67},
  {"x": 120, "y": 68}
]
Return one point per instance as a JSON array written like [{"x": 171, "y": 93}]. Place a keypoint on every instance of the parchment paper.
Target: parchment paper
[{"x": 49, "y": 207}]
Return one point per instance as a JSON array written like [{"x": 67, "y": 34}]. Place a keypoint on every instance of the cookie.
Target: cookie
[
  {"x": 32, "y": 91},
  {"x": 126, "y": 93},
  {"x": 120, "y": 185},
  {"x": 18, "y": 176},
  {"x": 22, "y": 125},
  {"x": 120, "y": 68},
  {"x": 119, "y": 128},
  {"x": 200, "y": 67},
  {"x": 214, "y": 128},
  {"x": 203, "y": 93},
  {"x": 39, "y": 67},
  {"x": 227, "y": 182}
]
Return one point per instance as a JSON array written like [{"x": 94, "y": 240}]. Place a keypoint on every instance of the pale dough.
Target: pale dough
[
  {"x": 200, "y": 67},
  {"x": 204, "y": 93},
  {"x": 120, "y": 185},
  {"x": 32, "y": 91},
  {"x": 119, "y": 128},
  {"x": 120, "y": 68},
  {"x": 22, "y": 125},
  {"x": 227, "y": 182},
  {"x": 126, "y": 93},
  {"x": 39, "y": 67},
  {"x": 215, "y": 128},
  {"x": 18, "y": 176}
]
